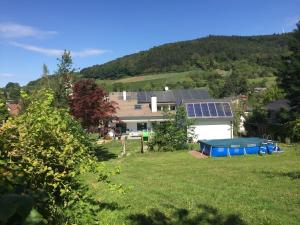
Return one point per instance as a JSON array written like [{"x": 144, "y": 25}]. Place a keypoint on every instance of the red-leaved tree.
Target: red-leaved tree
[{"x": 90, "y": 104}]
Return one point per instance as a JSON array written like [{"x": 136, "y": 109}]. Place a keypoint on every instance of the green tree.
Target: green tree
[
  {"x": 4, "y": 114},
  {"x": 235, "y": 84},
  {"x": 289, "y": 77},
  {"x": 42, "y": 153},
  {"x": 12, "y": 91},
  {"x": 63, "y": 80},
  {"x": 172, "y": 134},
  {"x": 45, "y": 70}
]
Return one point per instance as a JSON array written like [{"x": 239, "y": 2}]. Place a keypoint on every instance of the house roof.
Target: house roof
[
  {"x": 173, "y": 96},
  {"x": 14, "y": 109},
  {"x": 278, "y": 104},
  {"x": 127, "y": 108}
]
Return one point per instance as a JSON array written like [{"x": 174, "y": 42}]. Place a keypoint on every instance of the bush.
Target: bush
[
  {"x": 42, "y": 152},
  {"x": 293, "y": 129},
  {"x": 172, "y": 134}
]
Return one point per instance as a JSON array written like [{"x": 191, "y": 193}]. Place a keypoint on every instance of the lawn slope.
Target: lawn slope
[{"x": 176, "y": 188}]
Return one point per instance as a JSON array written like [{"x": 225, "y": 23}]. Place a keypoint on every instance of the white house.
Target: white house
[{"x": 140, "y": 110}]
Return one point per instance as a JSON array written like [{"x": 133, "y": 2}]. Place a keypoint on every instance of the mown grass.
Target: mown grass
[{"x": 176, "y": 188}]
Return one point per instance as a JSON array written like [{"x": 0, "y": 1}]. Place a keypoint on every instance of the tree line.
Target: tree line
[{"x": 256, "y": 54}]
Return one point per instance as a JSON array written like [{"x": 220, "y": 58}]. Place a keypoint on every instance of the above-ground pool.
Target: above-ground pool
[{"x": 236, "y": 146}]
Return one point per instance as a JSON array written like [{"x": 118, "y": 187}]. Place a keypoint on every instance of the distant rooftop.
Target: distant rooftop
[
  {"x": 278, "y": 104},
  {"x": 173, "y": 96}
]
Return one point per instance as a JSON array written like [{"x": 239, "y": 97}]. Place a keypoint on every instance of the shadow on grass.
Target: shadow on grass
[
  {"x": 294, "y": 175},
  {"x": 103, "y": 154},
  {"x": 112, "y": 206},
  {"x": 205, "y": 215}
]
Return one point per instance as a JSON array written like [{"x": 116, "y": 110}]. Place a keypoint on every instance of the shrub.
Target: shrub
[
  {"x": 172, "y": 134},
  {"x": 42, "y": 152}
]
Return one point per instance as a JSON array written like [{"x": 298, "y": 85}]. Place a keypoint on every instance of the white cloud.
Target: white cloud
[
  {"x": 15, "y": 30},
  {"x": 58, "y": 52},
  {"x": 44, "y": 51},
  {"x": 88, "y": 52},
  {"x": 7, "y": 75}
]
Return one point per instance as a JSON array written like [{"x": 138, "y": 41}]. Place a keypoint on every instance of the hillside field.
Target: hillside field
[
  {"x": 167, "y": 188},
  {"x": 145, "y": 81},
  {"x": 141, "y": 81}
]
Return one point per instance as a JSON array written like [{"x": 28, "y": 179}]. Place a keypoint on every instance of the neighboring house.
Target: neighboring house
[
  {"x": 140, "y": 110},
  {"x": 13, "y": 108},
  {"x": 276, "y": 107}
]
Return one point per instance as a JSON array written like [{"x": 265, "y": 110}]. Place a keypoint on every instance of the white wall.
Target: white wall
[
  {"x": 131, "y": 126},
  {"x": 203, "y": 129},
  {"x": 212, "y": 129}
]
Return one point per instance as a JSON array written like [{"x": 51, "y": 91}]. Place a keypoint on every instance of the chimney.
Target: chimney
[
  {"x": 154, "y": 104},
  {"x": 124, "y": 96}
]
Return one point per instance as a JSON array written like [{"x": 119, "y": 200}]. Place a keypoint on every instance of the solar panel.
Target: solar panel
[
  {"x": 227, "y": 109},
  {"x": 212, "y": 109},
  {"x": 198, "y": 111},
  {"x": 220, "y": 109},
  {"x": 205, "y": 109},
  {"x": 190, "y": 110},
  {"x": 209, "y": 109}
]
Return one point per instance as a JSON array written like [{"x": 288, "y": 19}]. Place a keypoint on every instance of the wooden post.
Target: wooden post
[
  {"x": 123, "y": 142},
  {"x": 142, "y": 144}
]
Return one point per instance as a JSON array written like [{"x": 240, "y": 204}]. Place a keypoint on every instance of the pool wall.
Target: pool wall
[{"x": 232, "y": 147}]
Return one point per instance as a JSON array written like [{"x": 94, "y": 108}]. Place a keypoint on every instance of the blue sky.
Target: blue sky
[{"x": 34, "y": 32}]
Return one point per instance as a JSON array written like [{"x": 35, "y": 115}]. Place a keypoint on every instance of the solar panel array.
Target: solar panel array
[{"x": 209, "y": 109}]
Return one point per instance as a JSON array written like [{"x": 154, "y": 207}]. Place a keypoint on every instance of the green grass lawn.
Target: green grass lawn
[{"x": 175, "y": 188}]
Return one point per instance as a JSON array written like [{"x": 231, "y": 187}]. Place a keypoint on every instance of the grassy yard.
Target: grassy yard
[{"x": 175, "y": 188}]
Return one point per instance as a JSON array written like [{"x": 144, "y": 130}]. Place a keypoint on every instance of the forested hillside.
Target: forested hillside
[{"x": 260, "y": 53}]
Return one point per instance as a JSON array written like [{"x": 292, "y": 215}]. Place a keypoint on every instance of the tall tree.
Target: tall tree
[
  {"x": 90, "y": 104},
  {"x": 289, "y": 77},
  {"x": 173, "y": 134},
  {"x": 235, "y": 84},
  {"x": 63, "y": 84},
  {"x": 45, "y": 70}
]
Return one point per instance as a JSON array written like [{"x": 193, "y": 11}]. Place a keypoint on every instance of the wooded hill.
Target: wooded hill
[{"x": 212, "y": 52}]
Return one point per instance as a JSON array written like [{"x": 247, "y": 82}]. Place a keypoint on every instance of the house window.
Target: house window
[
  {"x": 159, "y": 108},
  {"x": 137, "y": 106},
  {"x": 172, "y": 107},
  {"x": 141, "y": 126},
  {"x": 121, "y": 127}
]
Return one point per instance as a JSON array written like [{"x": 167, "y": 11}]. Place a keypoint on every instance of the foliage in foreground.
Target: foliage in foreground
[
  {"x": 172, "y": 134},
  {"x": 42, "y": 153},
  {"x": 4, "y": 114}
]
